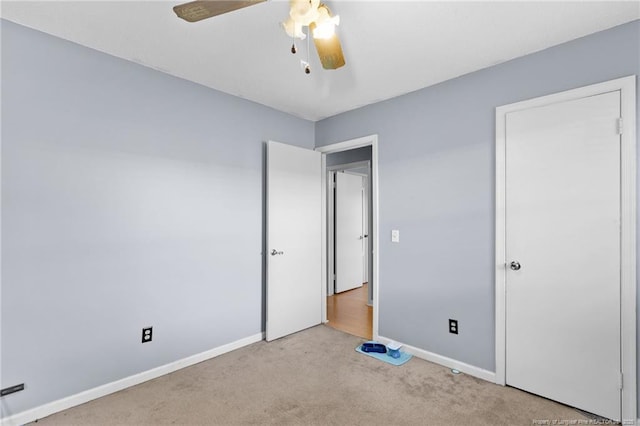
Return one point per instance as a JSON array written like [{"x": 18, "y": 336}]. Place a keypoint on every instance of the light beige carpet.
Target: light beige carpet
[{"x": 314, "y": 377}]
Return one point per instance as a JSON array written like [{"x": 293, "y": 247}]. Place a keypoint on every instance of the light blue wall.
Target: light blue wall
[
  {"x": 436, "y": 185},
  {"x": 129, "y": 198}
]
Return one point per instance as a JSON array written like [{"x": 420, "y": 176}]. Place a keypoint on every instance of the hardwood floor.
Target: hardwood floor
[{"x": 348, "y": 312}]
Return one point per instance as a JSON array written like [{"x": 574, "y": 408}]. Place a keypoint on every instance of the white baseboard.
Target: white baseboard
[
  {"x": 471, "y": 370},
  {"x": 106, "y": 389}
]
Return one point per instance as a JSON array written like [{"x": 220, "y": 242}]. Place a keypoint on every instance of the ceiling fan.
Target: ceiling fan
[{"x": 312, "y": 14}]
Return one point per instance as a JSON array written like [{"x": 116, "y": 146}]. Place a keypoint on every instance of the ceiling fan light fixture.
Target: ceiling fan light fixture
[
  {"x": 325, "y": 24},
  {"x": 302, "y": 13},
  {"x": 322, "y": 25}
]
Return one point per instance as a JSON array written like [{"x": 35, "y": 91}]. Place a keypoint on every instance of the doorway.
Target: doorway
[
  {"x": 355, "y": 310},
  {"x": 295, "y": 214},
  {"x": 565, "y": 248},
  {"x": 349, "y": 301}
]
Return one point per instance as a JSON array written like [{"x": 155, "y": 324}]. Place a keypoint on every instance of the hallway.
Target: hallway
[{"x": 350, "y": 313}]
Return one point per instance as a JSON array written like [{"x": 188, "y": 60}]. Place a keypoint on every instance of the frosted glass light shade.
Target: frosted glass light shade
[
  {"x": 293, "y": 29},
  {"x": 304, "y": 12},
  {"x": 325, "y": 26}
]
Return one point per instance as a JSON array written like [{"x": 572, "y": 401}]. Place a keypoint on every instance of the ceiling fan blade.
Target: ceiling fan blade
[
  {"x": 197, "y": 10},
  {"x": 329, "y": 50}
]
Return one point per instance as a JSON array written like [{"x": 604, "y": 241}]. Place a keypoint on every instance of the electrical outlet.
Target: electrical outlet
[
  {"x": 147, "y": 334},
  {"x": 453, "y": 326}
]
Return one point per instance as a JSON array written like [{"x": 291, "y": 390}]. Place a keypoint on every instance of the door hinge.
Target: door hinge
[
  {"x": 621, "y": 384},
  {"x": 620, "y": 126}
]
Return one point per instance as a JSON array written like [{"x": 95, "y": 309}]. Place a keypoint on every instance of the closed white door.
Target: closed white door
[
  {"x": 563, "y": 252},
  {"x": 294, "y": 245},
  {"x": 349, "y": 237}
]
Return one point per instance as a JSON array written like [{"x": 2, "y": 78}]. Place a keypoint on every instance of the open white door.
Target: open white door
[
  {"x": 294, "y": 239},
  {"x": 349, "y": 238}
]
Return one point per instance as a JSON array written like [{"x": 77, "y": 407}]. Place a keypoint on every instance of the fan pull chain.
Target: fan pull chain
[{"x": 307, "y": 69}]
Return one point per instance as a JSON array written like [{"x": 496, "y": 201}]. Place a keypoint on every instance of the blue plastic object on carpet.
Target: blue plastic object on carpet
[{"x": 404, "y": 357}]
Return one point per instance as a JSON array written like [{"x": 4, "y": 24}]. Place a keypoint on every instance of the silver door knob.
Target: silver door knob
[
  {"x": 275, "y": 252},
  {"x": 515, "y": 266}
]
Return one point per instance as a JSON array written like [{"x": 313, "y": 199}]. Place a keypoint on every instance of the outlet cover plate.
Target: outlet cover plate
[
  {"x": 147, "y": 334},
  {"x": 453, "y": 326}
]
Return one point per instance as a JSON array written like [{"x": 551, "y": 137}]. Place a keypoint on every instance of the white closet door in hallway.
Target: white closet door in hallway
[{"x": 349, "y": 239}]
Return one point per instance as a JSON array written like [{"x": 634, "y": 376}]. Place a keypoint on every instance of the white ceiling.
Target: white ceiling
[{"x": 391, "y": 47}]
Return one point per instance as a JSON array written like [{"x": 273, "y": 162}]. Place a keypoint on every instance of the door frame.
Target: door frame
[
  {"x": 332, "y": 170},
  {"x": 371, "y": 140},
  {"x": 627, "y": 88}
]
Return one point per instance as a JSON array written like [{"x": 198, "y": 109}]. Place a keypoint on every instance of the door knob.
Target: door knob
[
  {"x": 275, "y": 252},
  {"x": 515, "y": 266}
]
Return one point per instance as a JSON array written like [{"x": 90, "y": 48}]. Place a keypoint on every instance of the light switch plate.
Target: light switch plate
[{"x": 395, "y": 236}]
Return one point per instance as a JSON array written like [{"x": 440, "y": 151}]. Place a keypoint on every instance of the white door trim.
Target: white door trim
[
  {"x": 330, "y": 226},
  {"x": 354, "y": 165},
  {"x": 371, "y": 140},
  {"x": 627, "y": 88}
]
